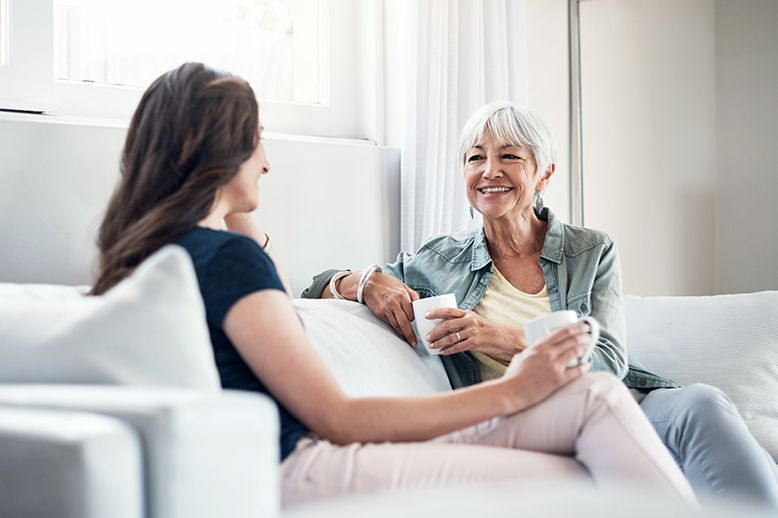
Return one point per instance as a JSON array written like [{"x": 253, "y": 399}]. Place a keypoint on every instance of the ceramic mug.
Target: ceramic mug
[
  {"x": 422, "y": 325},
  {"x": 542, "y": 326}
]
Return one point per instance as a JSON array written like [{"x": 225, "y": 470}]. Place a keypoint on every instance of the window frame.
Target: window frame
[{"x": 27, "y": 83}]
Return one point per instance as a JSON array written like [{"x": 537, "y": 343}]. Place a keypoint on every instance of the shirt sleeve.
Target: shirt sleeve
[
  {"x": 610, "y": 352},
  {"x": 321, "y": 280},
  {"x": 238, "y": 268}
]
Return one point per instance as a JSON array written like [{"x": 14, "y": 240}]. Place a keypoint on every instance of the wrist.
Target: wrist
[
  {"x": 513, "y": 339},
  {"x": 364, "y": 279},
  {"x": 346, "y": 285},
  {"x": 334, "y": 285},
  {"x": 510, "y": 398}
]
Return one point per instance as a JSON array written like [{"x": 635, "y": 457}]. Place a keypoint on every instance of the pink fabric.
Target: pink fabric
[{"x": 590, "y": 429}]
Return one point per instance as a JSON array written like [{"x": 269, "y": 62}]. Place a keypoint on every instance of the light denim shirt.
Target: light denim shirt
[{"x": 581, "y": 270}]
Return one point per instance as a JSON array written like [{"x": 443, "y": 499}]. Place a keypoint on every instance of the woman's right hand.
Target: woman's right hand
[
  {"x": 390, "y": 300},
  {"x": 538, "y": 371}
]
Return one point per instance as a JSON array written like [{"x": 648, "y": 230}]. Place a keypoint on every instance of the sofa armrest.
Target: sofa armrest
[
  {"x": 68, "y": 464},
  {"x": 205, "y": 454}
]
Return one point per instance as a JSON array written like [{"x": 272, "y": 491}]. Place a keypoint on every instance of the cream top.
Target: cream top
[{"x": 506, "y": 304}]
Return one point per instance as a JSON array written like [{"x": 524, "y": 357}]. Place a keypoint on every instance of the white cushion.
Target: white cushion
[
  {"x": 23, "y": 293},
  {"x": 728, "y": 341},
  {"x": 205, "y": 454},
  {"x": 148, "y": 330},
  {"x": 518, "y": 498},
  {"x": 365, "y": 355},
  {"x": 69, "y": 465}
]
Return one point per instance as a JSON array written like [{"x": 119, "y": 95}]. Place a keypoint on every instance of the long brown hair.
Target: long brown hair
[{"x": 192, "y": 130}]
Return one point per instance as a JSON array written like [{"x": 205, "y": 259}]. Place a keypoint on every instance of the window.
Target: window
[
  {"x": 271, "y": 43},
  {"x": 94, "y": 58}
]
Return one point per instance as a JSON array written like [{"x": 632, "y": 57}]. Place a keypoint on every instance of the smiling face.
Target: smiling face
[
  {"x": 241, "y": 194},
  {"x": 501, "y": 178}
]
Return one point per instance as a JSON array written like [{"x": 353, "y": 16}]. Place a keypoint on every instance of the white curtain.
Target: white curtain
[{"x": 458, "y": 55}]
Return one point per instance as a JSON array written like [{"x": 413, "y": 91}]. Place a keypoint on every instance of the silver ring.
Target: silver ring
[{"x": 459, "y": 337}]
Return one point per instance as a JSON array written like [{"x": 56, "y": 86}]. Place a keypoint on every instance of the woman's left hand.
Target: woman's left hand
[{"x": 463, "y": 330}]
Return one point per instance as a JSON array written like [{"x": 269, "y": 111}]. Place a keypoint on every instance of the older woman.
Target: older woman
[{"x": 523, "y": 263}]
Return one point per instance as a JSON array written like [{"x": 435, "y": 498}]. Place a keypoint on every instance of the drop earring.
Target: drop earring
[
  {"x": 472, "y": 215},
  {"x": 538, "y": 202}
]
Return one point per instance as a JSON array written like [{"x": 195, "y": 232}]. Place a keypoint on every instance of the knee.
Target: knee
[
  {"x": 706, "y": 403},
  {"x": 601, "y": 383}
]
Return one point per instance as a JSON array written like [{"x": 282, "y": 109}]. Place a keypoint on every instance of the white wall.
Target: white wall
[
  {"x": 549, "y": 90},
  {"x": 326, "y": 203},
  {"x": 747, "y": 110},
  {"x": 650, "y": 138}
]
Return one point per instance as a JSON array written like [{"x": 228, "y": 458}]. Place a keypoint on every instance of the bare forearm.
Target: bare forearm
[
  {"x": 514, "y": 339},
  {"x": 423, "y": 418},
  {"x": 347, "y": 287}
]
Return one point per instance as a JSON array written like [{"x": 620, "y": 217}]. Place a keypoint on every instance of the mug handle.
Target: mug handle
[{"x": 594, "y": 331}]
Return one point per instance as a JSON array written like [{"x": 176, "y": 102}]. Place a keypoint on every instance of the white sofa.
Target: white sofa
[{"x": 160, "y": 443}]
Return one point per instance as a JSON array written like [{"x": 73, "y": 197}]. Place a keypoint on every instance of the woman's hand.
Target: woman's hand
[
  {"x": 541, "y": 369},
  {"x": 390, "y": 300},
  {"x": 464, "y": 330}
]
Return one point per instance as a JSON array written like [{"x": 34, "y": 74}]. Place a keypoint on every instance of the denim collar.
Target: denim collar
[
  {"x": 553, "y": 245},
  {"x": 480, "y": 256}
]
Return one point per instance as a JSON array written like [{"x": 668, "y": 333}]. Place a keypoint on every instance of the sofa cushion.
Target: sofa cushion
[
  {"x": 365, "y": 355},
  {"x": 728, "y": 341},
  {"x": 68, "y": 465},
  {"x": 148, "y": 330},
  {"x": 205, "y": 454},
  {"x": 23, "y": 293}
]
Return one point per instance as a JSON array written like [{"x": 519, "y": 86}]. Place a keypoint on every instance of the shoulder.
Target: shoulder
[
  {"x": 219, "y": 242},
  {"x": 452, "y": 247},
  {"x": 233, "y": 243},
  {"x": 579, "y": 240},
  {"x": 216, "y": 250},
  {"x": 229, "y": 266}
]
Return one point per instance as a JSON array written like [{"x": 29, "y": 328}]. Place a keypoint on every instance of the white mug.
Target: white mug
[
  {"x": 422, "y": 325},
  {"x": 542, "y": 326}
]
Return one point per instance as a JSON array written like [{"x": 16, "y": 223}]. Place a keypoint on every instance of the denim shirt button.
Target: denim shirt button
[
  {"x": 642, "y": 383},
  {"x": 584, "y": 308}
]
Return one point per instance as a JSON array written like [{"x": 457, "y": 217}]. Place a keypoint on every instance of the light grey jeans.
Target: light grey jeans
[{"x": 712, "y": 445}]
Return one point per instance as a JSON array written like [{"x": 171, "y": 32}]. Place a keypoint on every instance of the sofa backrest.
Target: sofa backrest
[
  {"x": 327, "y": 203},
  {"x": 728, "y": 341}
]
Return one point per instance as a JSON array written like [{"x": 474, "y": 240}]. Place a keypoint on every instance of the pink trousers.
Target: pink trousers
[{"x": 591, "y": 428}]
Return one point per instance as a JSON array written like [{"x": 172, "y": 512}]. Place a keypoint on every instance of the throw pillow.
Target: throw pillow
[{"x": 149, "y": 329}]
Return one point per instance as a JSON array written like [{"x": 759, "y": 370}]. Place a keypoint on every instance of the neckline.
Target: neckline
[{"x": 542, "y": 293}]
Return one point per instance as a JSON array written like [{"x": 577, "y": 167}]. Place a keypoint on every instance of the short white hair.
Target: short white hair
[{"x": 513, "y": 124}]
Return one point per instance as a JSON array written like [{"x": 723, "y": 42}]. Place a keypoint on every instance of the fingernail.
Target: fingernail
[{"x": 428, "y": 337}]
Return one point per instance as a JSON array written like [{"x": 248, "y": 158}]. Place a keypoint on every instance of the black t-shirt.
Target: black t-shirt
[{"x": 230, "y": 266}]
